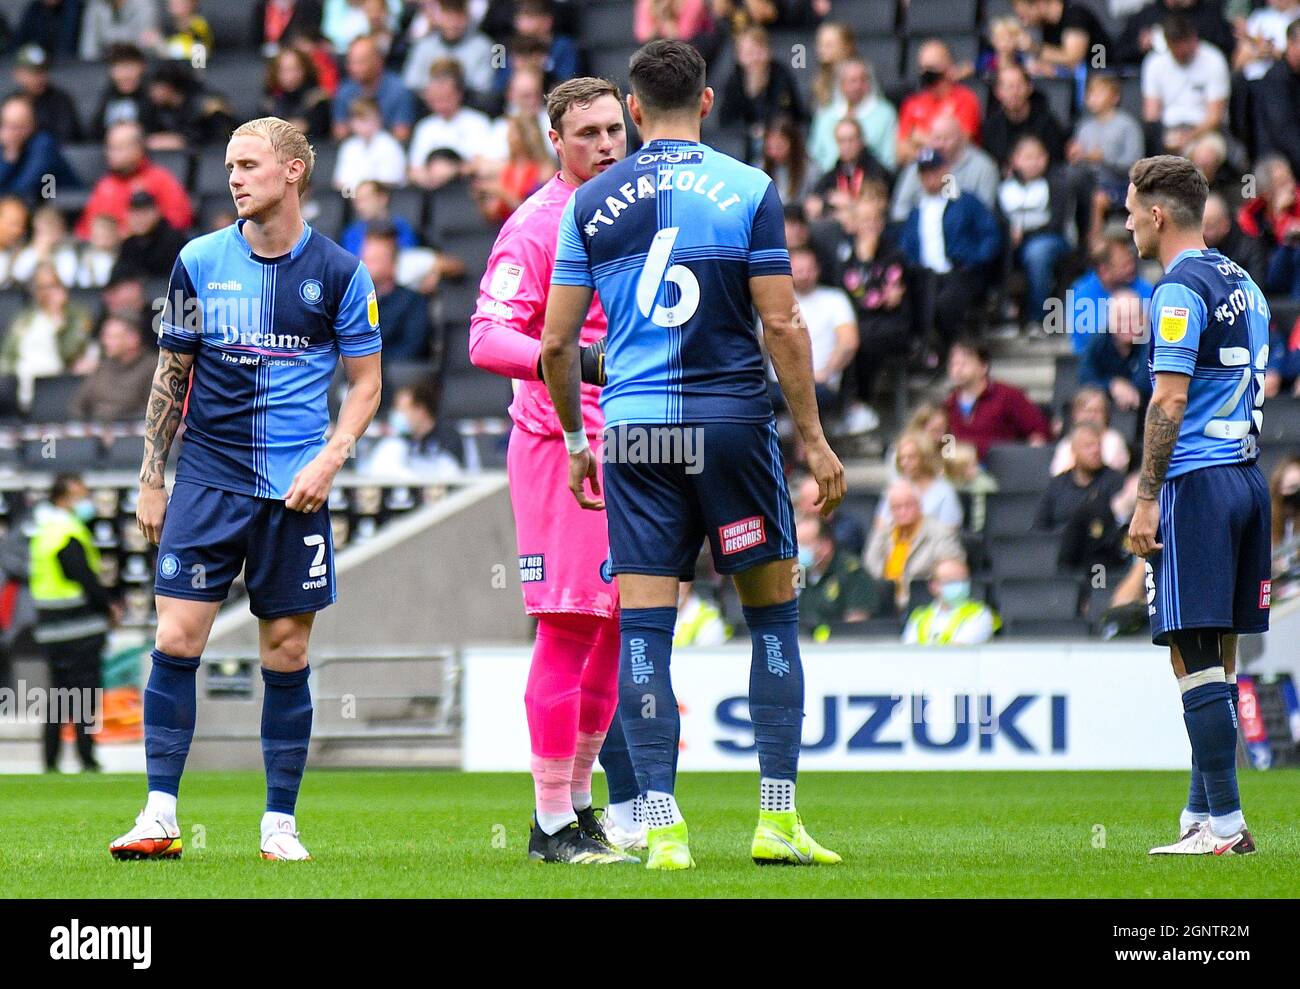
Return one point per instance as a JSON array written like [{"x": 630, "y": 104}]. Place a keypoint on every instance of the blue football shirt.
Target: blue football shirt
[
  {"x": 266, "y": 334},
  {"x": 1209, "y": 320},
  {"x": 669, "y": 237}
]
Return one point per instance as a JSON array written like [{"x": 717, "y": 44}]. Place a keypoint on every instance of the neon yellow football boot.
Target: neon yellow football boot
[
  {"x": 669, "y": 848},
  {"x": 781, "y": 839}
]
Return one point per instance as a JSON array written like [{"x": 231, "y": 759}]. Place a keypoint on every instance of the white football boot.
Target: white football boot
[
  {"x": 280, "y": 839},
  {"x": 1202, "y": 840},
  {"x": 151, "y": 838}
]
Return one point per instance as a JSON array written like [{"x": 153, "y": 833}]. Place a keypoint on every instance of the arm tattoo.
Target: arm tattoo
[
  {"x": 1158, "y": 446},
  {"x": 171, "y": 383}
]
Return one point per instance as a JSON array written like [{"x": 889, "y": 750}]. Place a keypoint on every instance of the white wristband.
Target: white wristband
[{"x": 576, "y": 441}]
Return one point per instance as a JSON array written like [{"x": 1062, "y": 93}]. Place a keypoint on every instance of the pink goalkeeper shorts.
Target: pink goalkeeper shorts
[{"x": 563, "y": 548}]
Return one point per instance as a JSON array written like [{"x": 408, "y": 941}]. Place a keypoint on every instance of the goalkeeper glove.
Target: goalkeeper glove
[{"x": 592, "y": 360}]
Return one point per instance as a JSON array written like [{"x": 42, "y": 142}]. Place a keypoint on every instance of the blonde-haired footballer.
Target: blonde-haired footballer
[{"x": 256, "y": 318}]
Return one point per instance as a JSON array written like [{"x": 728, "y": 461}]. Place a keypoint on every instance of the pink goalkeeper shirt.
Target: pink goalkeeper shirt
[{"x": 505, "y": 332}]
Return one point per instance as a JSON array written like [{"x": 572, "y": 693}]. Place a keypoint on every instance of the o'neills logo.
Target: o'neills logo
[
  {"x": 232, "y": 336},
  {"x": 736, "y": 537}
]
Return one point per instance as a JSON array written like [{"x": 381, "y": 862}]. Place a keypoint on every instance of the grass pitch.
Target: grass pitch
[{"x": 426, "y": 834}]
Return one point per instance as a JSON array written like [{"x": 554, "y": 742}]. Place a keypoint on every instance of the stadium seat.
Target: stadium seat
[
  {"x": 785, "y": 42},
  {"x": 1059, "y": 93},
  {"x": 1009, "y": 514},
  {"x": 866, "y": 17},
  {"x": 474, "y": 395},
  {"x": 606, "y": 24},
  {"x": 976, "y": 549},
  {"x": 124, "y": 453},
  {"x": 51, "y": 397},
  {"x": 213, "y": 204},
  {"x": 63, "y": 453},
  {"x": 611, "y": 63},
  {"x": 238, "y": 77},
  {"x": 918, "y": 593},
  {"x": 11, "y": 303},
  {"x": 180, "y": 163},
  {"x": 1130, "y": 98},
  {"x": 1109, "y": 21},
  {"x": 322, "y": 175},
  {"x": 922, "y": 19},
  {"x": 1030, "y": 605},
  {"x": 730, "y": 140},
  {"x": 231, "y": 27},
  {"x": 1125, "y": 422},
  {"x": 1065, "y": 382},
  {"x": 453, "y": 211},
  {"x": 1047, "y": 628},
  {"x": 1281, "y": 422},
  {"x": 885, "y": 55},
  {"x": 1271, "y": 454},
  {"x": 872, "y": 628},
  {"x": 456, "y": 358},
  {"x": 10, "y": 413},
  {"x": 411, "y": 203},
  {"x": 1284, "y": 312},
  {"x": 87, "y": 298},
  {"x": 1019, "y": 467},
  {"x": 84, "y": 81},
  {"x": 87, "y": 160},
  {"x": 456, "y": 301},
  {"x": 210, "y": 178},
  {"x": 1019, "y": 556},
  {"x": 474, "y": 249},
  {"x": 325, "y": 210},
  {"x": 862, "y": 505}
]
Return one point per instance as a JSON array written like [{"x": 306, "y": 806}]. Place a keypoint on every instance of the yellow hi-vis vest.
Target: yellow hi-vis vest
[
  {"x": 61, "y": 602},
  {"x": 942, "y": 637}
]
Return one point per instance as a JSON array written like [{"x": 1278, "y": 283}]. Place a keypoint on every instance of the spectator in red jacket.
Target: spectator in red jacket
[
  {"x": 984, "y": 412},
  {"x": 130, "y": 170},
  {"x": 939, "y": 94}
]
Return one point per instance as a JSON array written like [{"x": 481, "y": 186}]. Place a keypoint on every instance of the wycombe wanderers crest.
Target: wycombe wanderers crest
[
  {"x": 310, "y": 291},
  {"x": 169, "y": 566}
]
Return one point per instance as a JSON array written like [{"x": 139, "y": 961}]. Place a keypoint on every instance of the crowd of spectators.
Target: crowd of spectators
[{"x": 937, "y": 210}]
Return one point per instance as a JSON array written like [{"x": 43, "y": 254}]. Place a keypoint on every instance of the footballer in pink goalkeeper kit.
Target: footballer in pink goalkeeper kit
[{"x": 572, "y": 693}]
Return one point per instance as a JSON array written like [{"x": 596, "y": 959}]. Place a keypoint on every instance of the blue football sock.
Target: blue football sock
[
  {"x": 620, "y": 777},
  {"x": 169, "y": 701},
  {"x": 1212, "y": 729},
  {"x": 647, "y": 705},
  {"x": 286, "y": 730},
  {"x": 1198, "y": 805},
  {"x": 776, "y": 688}
]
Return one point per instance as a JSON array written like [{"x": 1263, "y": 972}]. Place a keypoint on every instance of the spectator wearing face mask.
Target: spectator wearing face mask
[
  {"x": 953, "y": 618},
  {"x": 938, "y": 95},
  {"x": 414, "y": 448},
  {"x": 836, "y": 588}
]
